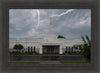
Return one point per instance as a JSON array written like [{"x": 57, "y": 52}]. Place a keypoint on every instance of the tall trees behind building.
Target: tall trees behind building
[{"x": 60, "y": 36}]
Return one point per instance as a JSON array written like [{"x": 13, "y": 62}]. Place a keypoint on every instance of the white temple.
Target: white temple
[{"x": 49, "y": 44}]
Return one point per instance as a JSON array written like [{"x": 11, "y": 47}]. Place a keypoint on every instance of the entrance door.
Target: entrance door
[{"x": 50, "y": 49}]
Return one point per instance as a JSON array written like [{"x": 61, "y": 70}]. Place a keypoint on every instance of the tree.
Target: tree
[
  {"x": 85, "y": 48},
  {"x": 60, "y": 36},
  {"x": 18, "y": 47}
]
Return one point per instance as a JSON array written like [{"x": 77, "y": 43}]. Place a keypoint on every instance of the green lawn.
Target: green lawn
[
  {"x": 63, "y": 62},
  {"x": 75, "y": 62},
  {"x": 24, "y": 62}
]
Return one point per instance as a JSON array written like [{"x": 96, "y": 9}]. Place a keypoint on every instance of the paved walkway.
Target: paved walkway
[{"x": 50, "y": 62}]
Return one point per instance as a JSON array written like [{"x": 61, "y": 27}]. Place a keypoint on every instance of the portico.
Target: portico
[{"x": 50, "y": 49}]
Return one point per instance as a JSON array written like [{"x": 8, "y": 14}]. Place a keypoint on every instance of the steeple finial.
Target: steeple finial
[
  {"x": 50, "y": 20},
  {"x": 50, "y": 26}
]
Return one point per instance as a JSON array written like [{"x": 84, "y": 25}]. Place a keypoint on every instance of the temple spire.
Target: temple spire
[
  {"x": 50, "y": 35},
  {"x": 50, "y": 28},
  {"x": 50, "y": 20}
]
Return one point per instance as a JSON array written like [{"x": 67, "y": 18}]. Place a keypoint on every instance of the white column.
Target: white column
[
  {"x": 41, "y": 50},
  {"x": 26, "y": 43},
  {"x": 60, "y": 50}
]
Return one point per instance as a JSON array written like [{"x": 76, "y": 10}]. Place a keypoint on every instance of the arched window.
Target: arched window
[
  {"x": 66, "y": 49},
  {"x": 34, "y": 48},
  {"x": 28, "y": 49},
  {"x": 31, "y": 48},
  {"x": 69, "y": 49}
]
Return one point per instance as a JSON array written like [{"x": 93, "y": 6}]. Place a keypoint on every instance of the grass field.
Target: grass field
[
  {"x": 63, "y": 62},
  {"x": 24, "y": 62},
  {"x": 75, "y": 62}
]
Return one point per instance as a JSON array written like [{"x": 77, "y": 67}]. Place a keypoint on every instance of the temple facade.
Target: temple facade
[{"x": 49, "y": 44}]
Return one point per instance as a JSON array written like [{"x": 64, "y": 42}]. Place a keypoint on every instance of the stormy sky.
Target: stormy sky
[{"x": 34, "y": 23}]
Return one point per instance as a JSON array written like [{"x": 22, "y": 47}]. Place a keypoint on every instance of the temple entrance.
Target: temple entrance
[{"x": 50, "y": 49}]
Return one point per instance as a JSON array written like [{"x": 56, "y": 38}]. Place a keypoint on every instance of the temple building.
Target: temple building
[{"x": 49, "y": 44}]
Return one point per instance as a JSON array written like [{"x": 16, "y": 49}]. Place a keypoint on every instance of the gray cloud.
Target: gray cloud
[{"x": 23, "y": 22}]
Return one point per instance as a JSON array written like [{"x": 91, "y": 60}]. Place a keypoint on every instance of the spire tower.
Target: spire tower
[{"x": 50, "y": 28}]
